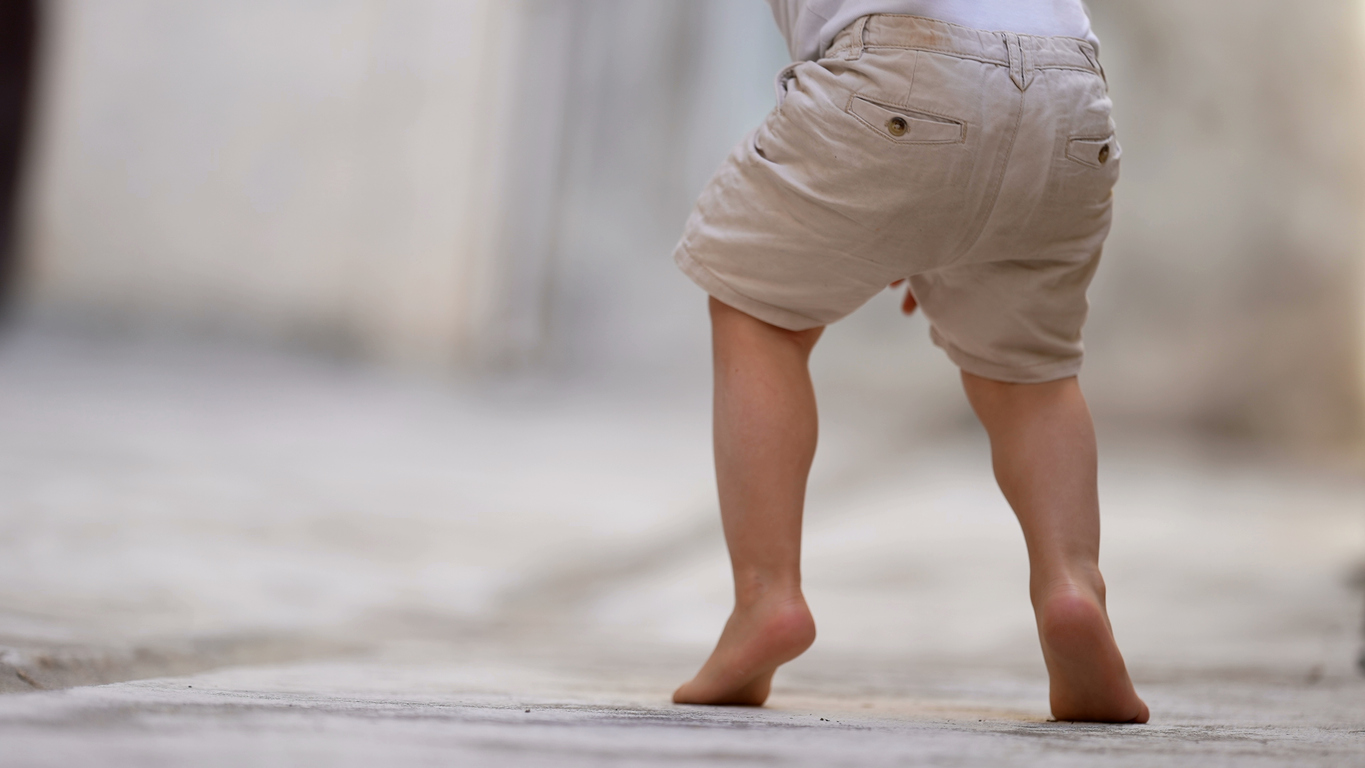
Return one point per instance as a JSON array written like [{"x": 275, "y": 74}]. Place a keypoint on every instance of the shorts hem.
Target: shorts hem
[
  {"x": 1028, "y": 374},
  {"x": 717, "y": 288}
]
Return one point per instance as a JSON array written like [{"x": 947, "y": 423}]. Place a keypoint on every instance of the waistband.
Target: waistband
[{"x": 1023, "y": 54}]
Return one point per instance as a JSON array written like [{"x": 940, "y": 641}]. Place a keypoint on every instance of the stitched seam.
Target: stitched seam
[
  {"x": 1066, "y": 67},
  {"x": 998, "y": 182},
  {"x": 859, "y": 46},
  {"x": 976, "y": 31},
  {"x": 693, "y": 260},
  {"x": 1016, "y": 60},
  {"x": 914, "y": 72},
  {"x": 946, "y": 51},
  {"x": 974, "y": 57},
  {"x": 992, "y": 364}
]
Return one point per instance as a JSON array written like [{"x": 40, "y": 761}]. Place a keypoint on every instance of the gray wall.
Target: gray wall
[
  {"x": 1232, "y": 293},
  {"x": 319, "y": 171},
  {"x": 497, "y": 185}
]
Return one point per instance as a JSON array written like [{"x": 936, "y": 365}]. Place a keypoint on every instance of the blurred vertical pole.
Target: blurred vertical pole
[
  {"x": 538, "y": 70},
  {"x": 18, "y": 44}
]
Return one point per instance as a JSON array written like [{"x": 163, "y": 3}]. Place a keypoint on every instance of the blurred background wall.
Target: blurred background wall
[
  {"x": 1232, "y": 296},
  {"x": 493, "y": 185}
]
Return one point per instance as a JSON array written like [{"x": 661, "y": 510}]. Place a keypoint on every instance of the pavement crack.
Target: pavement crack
[{"x": 22, "y": 675}]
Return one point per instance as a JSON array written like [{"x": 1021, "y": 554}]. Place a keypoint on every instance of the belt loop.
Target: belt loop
[
  {"x": 1020, "y": 72},
  {"x": 859, "y": 34},
  {"x": 1088, "y": 51},
  {"x": 787, "y": 74}
]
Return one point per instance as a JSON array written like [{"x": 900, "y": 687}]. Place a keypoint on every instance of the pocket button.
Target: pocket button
[
  {"x": 897, "y": 126},
  {"x": 1104, "y": 154}
]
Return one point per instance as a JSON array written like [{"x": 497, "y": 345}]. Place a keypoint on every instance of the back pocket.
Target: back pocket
[
  {"x": 904, "y": 126},
  {"x": 1095, "y": 153}
]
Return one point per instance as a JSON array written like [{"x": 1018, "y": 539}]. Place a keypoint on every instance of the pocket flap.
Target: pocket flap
[
  {"x": 907, "y": 127},
  {"x": 1095, "y": 153}
]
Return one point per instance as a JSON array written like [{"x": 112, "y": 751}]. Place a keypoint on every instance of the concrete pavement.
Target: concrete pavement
[
  {"x": 361, "y": 568},
  {"x": 365, "y": 714}
]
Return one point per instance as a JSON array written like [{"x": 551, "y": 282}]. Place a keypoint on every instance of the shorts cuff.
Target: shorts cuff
[
  {"x": 718, "y": 289},
  {"x": 1027, "y": 374}
]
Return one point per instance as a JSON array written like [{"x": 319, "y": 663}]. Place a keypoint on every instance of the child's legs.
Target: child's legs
[
  {"x": 765, "y": 430},
  {"x": 765, "y": 435},
  {"x": 1043, "y": 450}
]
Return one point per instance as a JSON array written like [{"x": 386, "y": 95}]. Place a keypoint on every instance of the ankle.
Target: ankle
[
  {"x": 757, "y": 591},
  {"x": 1084, "y": 583}
]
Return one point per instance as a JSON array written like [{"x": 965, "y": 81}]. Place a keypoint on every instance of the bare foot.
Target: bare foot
[
  {"x": 1089, "y": 679},
  {"x": 756, "y": 641}
]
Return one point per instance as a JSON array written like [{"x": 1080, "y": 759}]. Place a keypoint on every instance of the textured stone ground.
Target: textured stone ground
[
  {"x": 364, "y": 714},
  {"x": 277, "y": 561}
]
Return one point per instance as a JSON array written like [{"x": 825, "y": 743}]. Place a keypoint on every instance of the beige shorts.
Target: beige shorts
[{"x": 977, "y": 164}]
